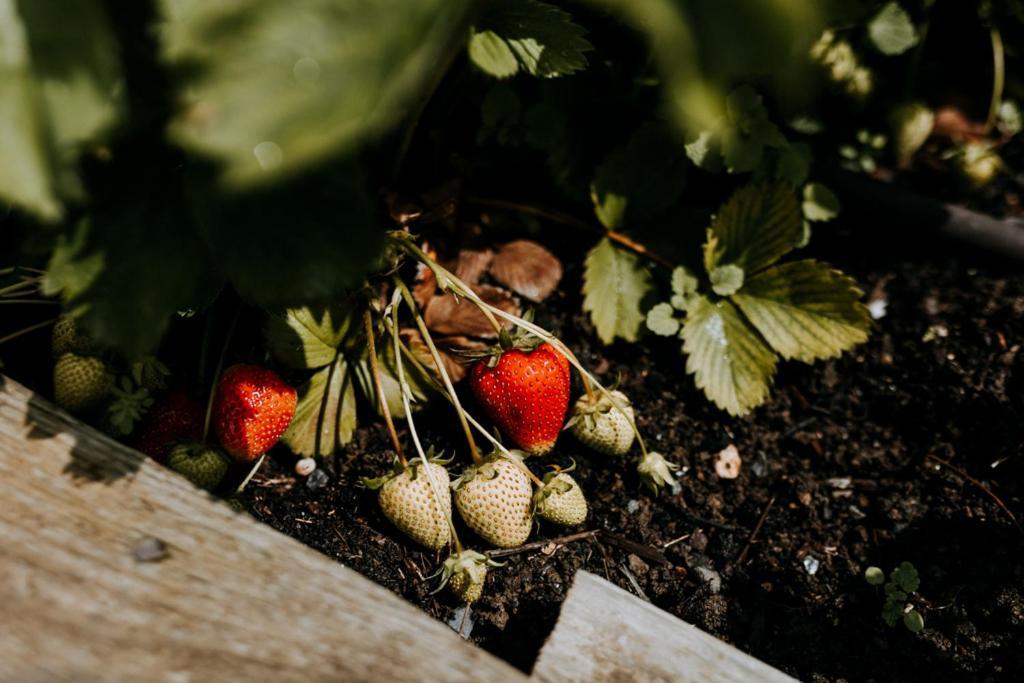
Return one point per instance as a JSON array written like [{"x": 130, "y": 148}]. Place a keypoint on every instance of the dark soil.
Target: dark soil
[{"x": 906, "y": 449}]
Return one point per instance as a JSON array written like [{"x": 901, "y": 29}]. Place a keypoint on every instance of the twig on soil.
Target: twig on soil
[
  {"x": 639, "y": 549},
  {"x": 708, "y": 522},
  {"x": 633, "y": 582},
  {"x": 753, "y": 536},
  {"x": 539, "y": 545},
  {"x": 987, "y": 490}
]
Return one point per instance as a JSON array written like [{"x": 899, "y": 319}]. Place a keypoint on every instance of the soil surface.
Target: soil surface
[{"x": 910, "y": 448}]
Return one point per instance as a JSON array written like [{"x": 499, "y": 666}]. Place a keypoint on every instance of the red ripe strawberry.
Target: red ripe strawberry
[
  {"x": 526, "y": 394},
  {"x": 174, "y": 418},
  {"x": 251, "y": 409}
]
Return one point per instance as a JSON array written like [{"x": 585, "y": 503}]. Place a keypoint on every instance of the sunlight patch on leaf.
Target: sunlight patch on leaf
[
  {"x": 614, "y": 283},
  {"x": 820, "y": 203},
  {"x": 729, "y": 361},
  {"x": 309, "y": 337},
  {"x": 805, "y": 310}
]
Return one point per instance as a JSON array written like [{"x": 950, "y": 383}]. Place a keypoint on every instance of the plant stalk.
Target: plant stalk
[
  {"x": 385, "y": 411},
  {"x": 217, "y": 372},
  {"x": 30, "y": 328}
]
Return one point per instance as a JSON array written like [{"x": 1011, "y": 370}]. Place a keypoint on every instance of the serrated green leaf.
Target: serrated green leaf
[
  {"x": 640, "y": 179},
  {"x": 891, "y": 613},
  {"x": 684, "y": 283},
  {"x": 805, "y": 310},
  {"x": 615, "y": 281},
  {"x": 325, "y": 417},
  {"x": 757, "y": 226},
  {"x": 309, "y": 337},
  {"x": 273, "y": 88},
  {"x": 729, "y": 361},
  {"x": 539, "y": 38},
  {"x": 726, "y": 279},
  {"x": 820, "y": 203},
  {"x": 892, "y": 31},
  {"x": 661, "y": 320},
  {"x": 906, "y": 577},
  {"x": 492, "y": 55}
]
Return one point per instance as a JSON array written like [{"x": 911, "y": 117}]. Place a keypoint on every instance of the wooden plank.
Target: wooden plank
[
  {"x": 232, "y": 600},
  {"x": 605, "y": 634}
]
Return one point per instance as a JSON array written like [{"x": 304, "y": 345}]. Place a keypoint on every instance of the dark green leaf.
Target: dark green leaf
[
  {"x": 728, "y": 359},
  {"x": 274, "y": 88},
  {"x": 641, "y": 178},
  {"x": 913, "y": 621},
  {"x": 535, "y": 36},
  {"x": 758, "y": 225},
  {"x": 891, "y": 613},
  {"x": 794, "y": 163},
  {"x": 906, "y": 577},
  {"x": 805, "y": 310},
  {"x": 614, "y": 283},
  {"x": 325, "y": 416}
]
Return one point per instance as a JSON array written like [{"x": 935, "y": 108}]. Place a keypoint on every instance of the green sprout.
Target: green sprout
[{"x": 903, "y": 582}]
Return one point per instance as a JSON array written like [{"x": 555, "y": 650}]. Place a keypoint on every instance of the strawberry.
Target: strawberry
[
  {"x": 204, "y": 466},
  {"x": 407, "y": 498},
  {"x": 80, "y": 383},
  {"x": 494, "y": 499},
  {"x": 560, "y": 501},
  {"x": 656, "y": 472},
  {"x": 175, "y": 417},
  {"x": 68, "y": 338},
  {"x": 601, "y": 426},
  {"x": 466, "y": 573},
  {"x": 525, "y": 393},
  {"x": 251, "y": 409}
]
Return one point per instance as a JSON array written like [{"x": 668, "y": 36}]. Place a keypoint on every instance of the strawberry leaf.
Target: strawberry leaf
[
  {"x": 309, "y": 337},
  {"x": 614, "y": 283},
  {"x": 805, "y": 310},
  {"x": 892, "y": 31},
  {"x": 535, "y": 37},
  {"x": 730, "y": 362},
  {"x": 757, "y": 226},
  {"x": 820, "y": 203},
  {"x": 274, "y": 89},
  {"x": 661, "y": 320},
  {"x": 325, "y": 416}
]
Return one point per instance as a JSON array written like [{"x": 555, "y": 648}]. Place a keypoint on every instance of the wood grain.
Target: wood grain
[
  {"x": 232, "y": 599},
  {"x": 605, "y": 635}
]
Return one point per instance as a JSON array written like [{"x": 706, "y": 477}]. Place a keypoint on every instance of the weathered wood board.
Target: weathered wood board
[
  {"x": 605, "y": 635},
  {"x": 232, "y": 600}
]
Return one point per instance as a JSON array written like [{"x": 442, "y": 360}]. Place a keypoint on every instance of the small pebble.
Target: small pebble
[
  {"x": 150, "y": 549},
  {"x": 462, "y": 621},
  {"x": 317, "y": 480},
  {"x": 710, "y": 577},
  {"x": 728, "y": 462},
  {"x": 305, "y": 467},
  {"x": 632, "y": 506},
  {"x": 811, "y": 564}
]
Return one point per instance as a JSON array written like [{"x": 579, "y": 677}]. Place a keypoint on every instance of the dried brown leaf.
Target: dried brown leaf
[
  {"x": 425, "y": 286},
  {"x": 447, "y": 317},
  {"x": 452, "y": 363},
  {"x": 471, "y": 264},
  {"x": 527, "y": 268}
]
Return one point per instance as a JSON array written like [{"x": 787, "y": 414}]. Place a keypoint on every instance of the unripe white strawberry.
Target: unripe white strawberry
[
  {"x": 204, "y": 466},
  {"x": 69, "y": 338},
  {"x": 80, "y": 383},
  {"x": 409, "y": 499},
  {"x": 601, "y": 426},
  {"x": 560, "y": 500},
  {"x": 495, "y": 500},
  {"x": 465, "y": 574}
]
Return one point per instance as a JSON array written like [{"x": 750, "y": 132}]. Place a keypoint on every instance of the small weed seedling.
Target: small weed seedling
[{"x": 903, "y": 581}]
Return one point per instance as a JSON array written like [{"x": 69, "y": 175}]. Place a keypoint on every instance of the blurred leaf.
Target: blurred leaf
[
  {"x": 274, "y": 88},
  {"x": 911, "y": 124},
  {"x": 702, "y": 152},
  {"x": 891, "y": 613},
  {"x": 805, "y": 310},
  {"x": 59, "y": 88},
  {"x": 892, "y": 31},
  {"x": 614, "y": 283},
  {"x": 794, "y": 163},
  {"x": 754, "y": 228},
  {"x": 527, "y": 268},
  {"x": 906, "y": 577},
  {"x": 661, "y": 320},
  {"x": 540, "y": 38},
  {"x": 303, "y": 241},
  {"x": 641, "y": 178},
  {"x": 131, "y": 266},
  {"x": 820, "y": 203},
  {"x": 728, "y": 359},
  {"x": 309, "y": 337},
  {"x": 325, "y": 416}
]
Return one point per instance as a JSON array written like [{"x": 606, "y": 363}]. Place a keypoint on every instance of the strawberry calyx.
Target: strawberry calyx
[
  {"x": 469, "y": 565},
  {"x": 553, "y": 484},
  {"x": 398, "y": 468},
  {"x": 485, "y": 468}
]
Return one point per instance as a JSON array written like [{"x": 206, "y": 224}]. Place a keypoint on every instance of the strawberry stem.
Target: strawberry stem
[
  {"x": 407, "y": 404},
  {"x": 218, "y": 370},
  {"x": 449, "y": 387},
  {"x": 30, "y": 328},
  {"x": 379, "y": 385}
]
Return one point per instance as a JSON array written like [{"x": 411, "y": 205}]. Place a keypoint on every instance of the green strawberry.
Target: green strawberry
[
  {"x": 68, "y": 338},
  {"x": 494, "y": 499},
  {"x": 80, "y": 383},
  {"x": 465, "y": 574},
  {"x": 407, "y": 498},
  {"x": 601, "y": 426},
  {"x": 560, "y": 501},
  {"x": 204, "y": 466},
  {"x": 655, "y": 471}
]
